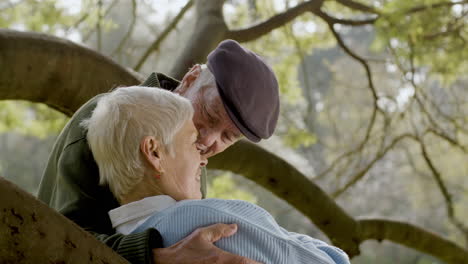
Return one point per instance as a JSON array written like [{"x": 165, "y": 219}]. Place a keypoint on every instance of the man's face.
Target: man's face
[{"x": 216, "y": 129}]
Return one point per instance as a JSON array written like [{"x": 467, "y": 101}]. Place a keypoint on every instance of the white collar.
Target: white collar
[{"x": 128, "y": 216}]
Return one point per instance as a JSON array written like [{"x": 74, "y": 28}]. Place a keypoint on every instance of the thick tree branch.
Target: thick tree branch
[
  {"x": 60, "y": 68},
  {"x": 155, "y": 45},
  {"x": 413, "y": 237},
  {"x": 279, "y": 20},
  {"x": 31, "y": 232}
]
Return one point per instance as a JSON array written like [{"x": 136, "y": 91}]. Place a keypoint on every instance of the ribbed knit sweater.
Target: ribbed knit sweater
[{"x": 259, "y": 237}]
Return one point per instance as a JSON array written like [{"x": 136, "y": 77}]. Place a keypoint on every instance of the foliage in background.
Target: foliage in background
[{"x": 32, "y": 119}]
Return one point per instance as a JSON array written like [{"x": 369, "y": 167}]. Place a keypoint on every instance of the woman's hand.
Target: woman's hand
[{"x": 198, "y": 248}]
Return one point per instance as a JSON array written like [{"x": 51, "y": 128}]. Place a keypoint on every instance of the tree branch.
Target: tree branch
[
  {"x": 413, "y": 237},
  {"x": 129, "y": 31},
  {"x": 347, "y": 50},
  {"x": 31, "y": 232},
  {"x": 349, "y": 22},
  {"x": 363, "y": 62},
  {"x": 433, "y": 6},
  {"x": 358, "y": 6},
  {"x": 59, "y": 65},
  {"x": 445, "y": 193},
  {"x": 106, "y": 12},
  {"x": 357, "y": 176},
  {"x": 155, "y": 45},
  {"x": 279, "y": 20}
]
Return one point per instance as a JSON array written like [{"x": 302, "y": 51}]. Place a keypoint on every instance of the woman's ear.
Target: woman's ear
[
  {"x": 189, "y": 79},
  {"x": 151, "y": 151}
]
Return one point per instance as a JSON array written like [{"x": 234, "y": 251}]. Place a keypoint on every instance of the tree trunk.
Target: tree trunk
[
  {"x": 210, "y": 29},
  {"x": 31, "y": 232}
]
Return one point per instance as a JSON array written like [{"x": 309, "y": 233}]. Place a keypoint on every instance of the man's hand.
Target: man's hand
[{"x": 198, "y": 248}]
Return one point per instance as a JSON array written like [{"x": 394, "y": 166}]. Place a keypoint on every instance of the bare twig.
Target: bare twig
[
  {"x": 106, "y": 12},
  {"x": 358, "y": 176},
  {"x": 279, "y": 20},
  {"x": 364, "y": 63},
  {"x": 433, "y": 6},
  {"x": 155, "y": 45},
  {"x": 129, "y": 31},
  {"x": 98, "y": 26},
  {"x": 443, "y": 189},
  {"x": 358, "y": 6}
]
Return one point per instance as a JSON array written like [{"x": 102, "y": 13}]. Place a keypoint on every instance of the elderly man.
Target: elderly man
[{"x": 235, "y": 95}]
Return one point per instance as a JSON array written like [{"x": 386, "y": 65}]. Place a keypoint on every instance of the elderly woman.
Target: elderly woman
[{"x": 144, "y": 142}]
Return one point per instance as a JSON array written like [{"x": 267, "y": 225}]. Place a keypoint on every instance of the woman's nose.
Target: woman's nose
[{"x": 203, "y": 162}]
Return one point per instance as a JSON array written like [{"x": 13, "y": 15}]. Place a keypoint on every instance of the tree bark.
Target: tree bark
[
  {"x": 31, "y": 232},
  {"x": 414, "y": 237},
  {"x": 210, "y": 29},
  {"x": 41, "y": 68}
]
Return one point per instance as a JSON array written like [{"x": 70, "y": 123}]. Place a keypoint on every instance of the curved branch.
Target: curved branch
[
  {"x": 351, "y": 22},
  {"x": 358, "y": 6},
  {"x": 63, "y": 75},
  {"x": 279, "y": 20},
  {"x": 432, "y": 6},
  {"x": 413, "y": 237},
  {"x": 31, "y": 232},
  {"x": 443, "y": 189},
  {"x": 348, "y": 51},
  {"x": 155, "y": 45}
]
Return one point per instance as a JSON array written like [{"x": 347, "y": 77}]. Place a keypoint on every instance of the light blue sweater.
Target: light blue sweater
[{"x": 259, "y": 237}]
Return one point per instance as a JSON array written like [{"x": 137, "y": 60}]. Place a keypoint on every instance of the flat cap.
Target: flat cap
[{"x": 248, "y": 89}]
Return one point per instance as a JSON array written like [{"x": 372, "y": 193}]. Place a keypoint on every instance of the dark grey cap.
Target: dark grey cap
[{"x": 248, "y": 89}]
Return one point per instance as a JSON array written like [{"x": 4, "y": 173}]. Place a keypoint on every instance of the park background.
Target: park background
[{"x": 374, "y": 102}]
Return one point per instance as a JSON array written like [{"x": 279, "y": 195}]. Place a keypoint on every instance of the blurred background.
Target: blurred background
[{"x": 374, "y": 109}]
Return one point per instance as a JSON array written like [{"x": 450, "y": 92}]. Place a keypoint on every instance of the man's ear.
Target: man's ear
[
  {"x": 189, "y": 79},
  {"x": 152, "y": 151}
]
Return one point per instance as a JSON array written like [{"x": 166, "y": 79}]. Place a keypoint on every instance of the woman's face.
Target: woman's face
[{"x": 182, "y": 169}]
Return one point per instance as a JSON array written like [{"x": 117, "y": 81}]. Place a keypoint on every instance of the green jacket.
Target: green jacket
[{"x": 70, "y": 185}]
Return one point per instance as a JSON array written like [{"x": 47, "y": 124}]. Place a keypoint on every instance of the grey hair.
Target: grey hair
[
  {"x": 206, "y": 78},
  {"x": 121, "y": 119}
]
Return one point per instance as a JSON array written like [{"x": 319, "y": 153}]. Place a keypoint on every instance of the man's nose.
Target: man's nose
[{"x": 207, "y": 139}]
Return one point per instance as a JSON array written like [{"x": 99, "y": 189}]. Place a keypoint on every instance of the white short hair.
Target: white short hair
[{"x": 121, "y": 119}]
